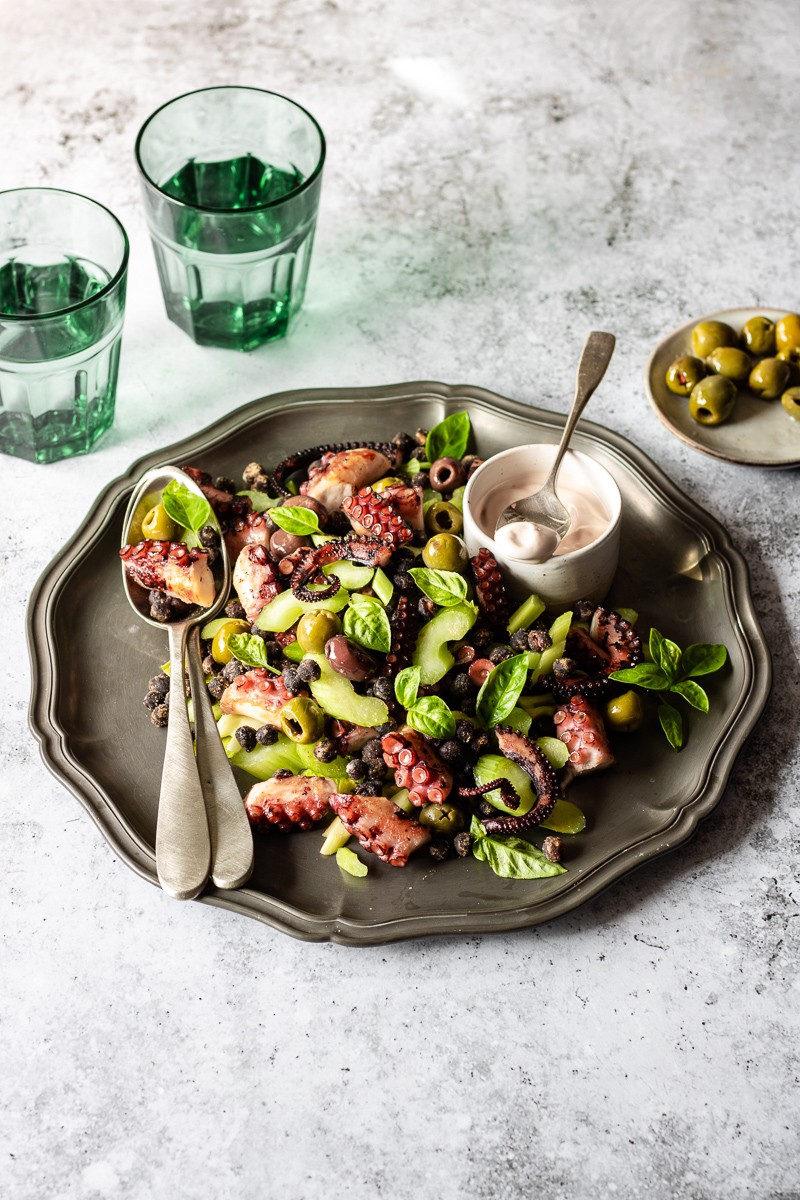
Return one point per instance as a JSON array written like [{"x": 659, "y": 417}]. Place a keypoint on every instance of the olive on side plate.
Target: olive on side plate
[
  {"x": 769, "y": 378},
  {"x": 712, "y": 400},
  {"x": 730, "y": 362},
  {"x": 708, "y": 335},
  {"x": 758, "y": 335},
  {"x": 684, "y": 373},
  {"x": 787, "y": 332},
  {"x": 790, "y": 400}
]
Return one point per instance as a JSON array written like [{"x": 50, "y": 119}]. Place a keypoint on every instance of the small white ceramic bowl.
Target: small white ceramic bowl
[{"x": 583, "y": 574}]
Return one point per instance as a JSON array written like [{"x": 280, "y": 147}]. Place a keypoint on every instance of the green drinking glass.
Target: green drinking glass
[
  {"x": 63, "y": 268},
  {"x": 231, "y": 179}
]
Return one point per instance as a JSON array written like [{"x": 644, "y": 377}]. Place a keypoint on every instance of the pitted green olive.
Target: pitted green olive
[
  {"x": 787, "y": 332},
  {"x": 712, "y": 400},
  {"x": 441, "y": 818},
  {"x": 302, "y": 720},
  {"x": 769, "y": 378},
  {"x": 220, "y": 650},
  {"x": 314, "y": 629},
  {"x": 445, "y": 552},
  {"x": 730, "y": 362},
  {"x": 443, "y": 517},
  {"x": 708, "y": 335},
  {"x": 684, "y": 373},
  {"x": 158, "y": 525},
  {"x": 791, "y": 402},
  {"x": 388, "y": 481},
  {"x": 625, "y": 713},
  {"x": 758, "y": 335}
]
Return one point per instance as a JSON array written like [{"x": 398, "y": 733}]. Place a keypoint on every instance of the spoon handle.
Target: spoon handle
[
  {"x": 595, "y": 357},
  {"x": 231, "y": 837},
  {"x": 183, "y": 846}
]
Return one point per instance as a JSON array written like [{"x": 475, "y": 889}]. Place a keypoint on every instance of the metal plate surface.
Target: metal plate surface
[
  {"x": 759, "y": 433},
  {"x": 91, "y": 659}
]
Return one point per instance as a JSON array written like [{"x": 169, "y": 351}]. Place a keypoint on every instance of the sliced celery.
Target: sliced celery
[
  {"x": 282, "y": 612},
  {"x": 431, "y": 653},
  {"x": 349, "y": 861},
  {"x": 336, "y": 836},
  {"x": 526, "y": 614},
  {"x": 294, "y": 652},
  {"x": 558, "y": 634},
  {"x": 352, "y": 575},
  {"x": 211, "y": 627},
  {"x": 338, "y": 698},
  {"x": 382, "y": 586}
]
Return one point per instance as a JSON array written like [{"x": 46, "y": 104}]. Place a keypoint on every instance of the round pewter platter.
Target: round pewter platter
[
  {"x": 759, "y": 433},
  {"x": 91, "y": 659}
]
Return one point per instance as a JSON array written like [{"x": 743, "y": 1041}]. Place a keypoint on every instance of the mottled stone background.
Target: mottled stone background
[{"x": 501, "y": 178}]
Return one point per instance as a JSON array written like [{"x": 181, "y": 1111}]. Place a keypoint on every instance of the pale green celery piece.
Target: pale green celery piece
[
  {"x": 400, "y": 798},
  {"x": 628, "y": 614},
  {"x": 294, "y": 652},
  {"x": 165, "y": 668},
  {"x": 228, "y": 723},
  {"x": 558, "y": 632},
  {"x": 540, "y": 705},
  {"x": 319, "y": 539},
  {"x": 431, "y": 653},
  {"x": 519, "y": 719},
  {"x": 338, "y": 698},
  {"x": 526, "y": 614},
  {"x": 284, "y": 754},
  {"x": 211, "y": 627},
  {"x": 352, "y": 575},
  {"x": 457, "y": 498},
  {"x": 554, "y": 751},
  {"x": 282, "y": 612},
  {"x": 349, "y": 861},
  {"x": 382, "y": 586},
  {"x": 566, "y": 817},
  {"x": 336, "y": 836}
]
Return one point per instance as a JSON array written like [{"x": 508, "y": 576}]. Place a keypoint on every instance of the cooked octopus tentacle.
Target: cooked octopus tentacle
[
  {"x": 369, "y": 552},
  {"x": 609, "y": 644},
  {"x": 417, "y": 766},
  {"x": 526, "y": 754},
  {"x": 506, "y": 788},
  {"x": 580, "y": 727},
  {"x": 302, "y": 458}
]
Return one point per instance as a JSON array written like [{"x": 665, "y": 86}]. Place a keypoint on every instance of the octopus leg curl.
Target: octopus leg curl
[
  {"x": 527, "y": 755},
  {"x": 368, "y": 552},
  {"x": 506, "y": 788},
  {"x": 609, "y": 644},
  {"x": 303, "y": 458}
]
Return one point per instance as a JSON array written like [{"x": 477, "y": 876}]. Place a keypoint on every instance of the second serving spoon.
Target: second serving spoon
[
  {"x": 202, "y": 825},
  {"x": 543, "y": 513}
]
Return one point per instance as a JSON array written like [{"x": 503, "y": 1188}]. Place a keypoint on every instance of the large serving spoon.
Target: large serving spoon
[
  {"x": 543, "y": 510},
  {"x": 202, "y": 826}
]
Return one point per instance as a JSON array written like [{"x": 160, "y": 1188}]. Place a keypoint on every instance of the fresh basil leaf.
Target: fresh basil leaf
[
  {"x": 444, "y": 588},
  {"x": 501, "y": 690},
  {"x": 367, "y": 624},
  {"x": 654, "y": 646},
  {"x": 449, "y": 438},
  {"x": 646, "y": 675},
  {"x": 692, "y": 693},
  {"x": 295, "y": 519},
  {"x": 670, "y": 660},
  {"x": 672, "y": 724},
  {"x": 703, "y": 658},
  {"x": 349, "y": 861},
  {"x": 185, "y": 508},
  {"x": 431, "y": 716},
  {"x": 406, "y": 686},
  {"x": 250, "y": 650},
  {"x": 260, "y": 501},
  {"x": 512, "y": 857}
]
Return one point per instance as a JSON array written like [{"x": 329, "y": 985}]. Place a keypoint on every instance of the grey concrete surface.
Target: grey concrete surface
[{"x": 500, "y": 179}]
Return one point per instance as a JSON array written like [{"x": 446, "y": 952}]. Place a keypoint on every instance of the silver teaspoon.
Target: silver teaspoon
[
  {"x": 186, "y": 837},
  {"x": 543, "y": 510}
]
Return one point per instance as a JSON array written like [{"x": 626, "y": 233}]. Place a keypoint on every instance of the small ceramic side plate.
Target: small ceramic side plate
[{"x": 760, "y": 433}]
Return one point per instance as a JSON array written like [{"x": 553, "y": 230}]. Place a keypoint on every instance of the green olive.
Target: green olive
[
  {"x": 684, "y": 373},
  {"x": 443, "y": 517},
  {"x": 758, "y": 335},
  {"x": 220, "y": 650},
  {"x": 302, "y": 720},
  {"x": 712, "y": 400},
  {"x": 730, "y": 362},
  {"x": 386, "y": 482},
  {"x": 441, "y": 818},
  {"x": 445, "y": 552},
  {"x": 708, "y": 335},
  {"x": 787, "y": 332},
  {"x": 769, "y": 378},
  {"x": 314, "y": 629},
  {"x": 791, "y": 402},
  {"x": 625, "y": 713},
  {"x": 158, "y": 525},
  {"x": 792, "y": 357}
]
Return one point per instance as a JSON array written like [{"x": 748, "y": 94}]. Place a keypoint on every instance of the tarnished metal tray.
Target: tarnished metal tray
[{"x": 91, "y": 660}]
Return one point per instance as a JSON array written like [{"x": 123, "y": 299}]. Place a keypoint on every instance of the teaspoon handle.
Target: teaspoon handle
[
  {"x": 231, "y": 837},
  {"x": 595, "y": 357},
  {"x": 183, "y": 845}
]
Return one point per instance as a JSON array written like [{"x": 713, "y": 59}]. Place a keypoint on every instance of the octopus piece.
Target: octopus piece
[
  {"x": 340, "y": 475},
  {"x": 405, "y": 624},
  {"x": 406, "y": 500},
  {"x": 490, "y": 590},
  {"x": 368, "y": 552},
  {"x": 256, "y": 580},
  {"x": 371, "y": 514},
  {"x": 417, "y": 766},
  {"x": 526, "y": 754},
  {"x": 172, "y": 568},
  {"x": 250, "y": 529},
  {"x": 307, "y": 458},
  {"x": 380, "y": 826},
  {"x": 580, "y": 727},
  {"x": 224, "y": 504},
  {"x": 259, "y": 695},
  {"x": 351, "y": 738},
  {"x": 609, "y": 644},
  {"x": 292, "y": 802}
]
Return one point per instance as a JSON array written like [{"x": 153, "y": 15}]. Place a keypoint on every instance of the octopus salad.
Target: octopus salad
[{"x": 376, "y": 681}]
